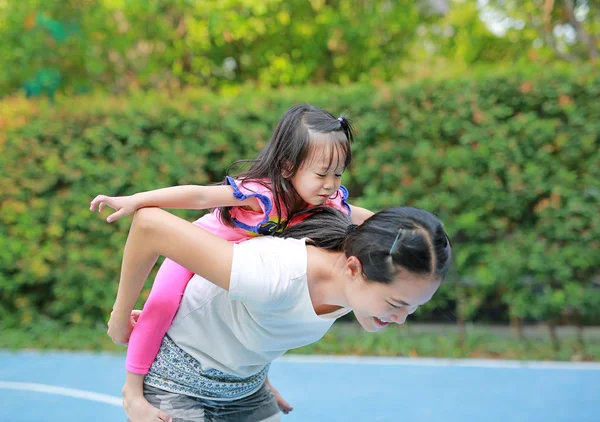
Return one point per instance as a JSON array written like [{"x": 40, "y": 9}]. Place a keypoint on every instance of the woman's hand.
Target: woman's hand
[
  {"x": 136, "y": 407},
  {"x": 284, "y": 406},
  {"x": 123, "y": 205}
]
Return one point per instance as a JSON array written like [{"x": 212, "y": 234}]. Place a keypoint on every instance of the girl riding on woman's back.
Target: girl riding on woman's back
[{"x": 301, "y": 167}]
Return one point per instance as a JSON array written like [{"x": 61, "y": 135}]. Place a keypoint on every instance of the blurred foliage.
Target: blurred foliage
[
  {"x": 512, "y": 164},
  {"x": 568, "y": 29},
  {"x": 510, "y": 161},
  {"x": 445, "y": 342},
  {"x": 121, "y": 45},
  {"x": 349, "y": 339},
  {"x": 498, "y": 33},
  {"x": 72, "y": 47}
]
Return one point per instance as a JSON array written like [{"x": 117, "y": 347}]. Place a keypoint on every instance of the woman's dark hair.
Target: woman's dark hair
[
  {"x": 301, "y": 127},
  {"x": 406, "y": 237}
]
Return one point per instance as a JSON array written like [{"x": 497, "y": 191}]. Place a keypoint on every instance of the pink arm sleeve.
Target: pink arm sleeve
[{"x": 156, "y": 318}]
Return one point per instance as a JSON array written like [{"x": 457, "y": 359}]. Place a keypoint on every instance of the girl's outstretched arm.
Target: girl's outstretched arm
[
  {"x": 155, "y": 233},
  {"x": 193, "y": 197}
]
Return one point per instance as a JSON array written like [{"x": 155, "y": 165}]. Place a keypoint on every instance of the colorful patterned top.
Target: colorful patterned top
[{"x": 250, "y": 223}]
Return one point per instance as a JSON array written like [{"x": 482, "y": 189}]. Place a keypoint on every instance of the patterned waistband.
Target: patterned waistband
[{"x": 176, "y": 371}]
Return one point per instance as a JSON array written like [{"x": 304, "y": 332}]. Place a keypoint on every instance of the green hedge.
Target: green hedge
[{"x": 510, "y": 162}]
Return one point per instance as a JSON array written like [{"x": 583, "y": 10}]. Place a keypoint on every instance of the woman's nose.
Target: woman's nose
[{"x": 399, "y": 317}]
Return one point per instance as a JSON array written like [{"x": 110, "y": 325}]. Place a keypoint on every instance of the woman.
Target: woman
[{"x": 253, "y": 301}]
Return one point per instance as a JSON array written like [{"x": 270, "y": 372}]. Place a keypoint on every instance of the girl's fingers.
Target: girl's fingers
[
  {"x": 135, "y": 315},
  {"x": 116, "y": 215},
  {"x": 98, "y": 199}
]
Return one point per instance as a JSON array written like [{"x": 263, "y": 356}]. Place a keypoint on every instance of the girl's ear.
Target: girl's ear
[{"x": 287, "y": 170}]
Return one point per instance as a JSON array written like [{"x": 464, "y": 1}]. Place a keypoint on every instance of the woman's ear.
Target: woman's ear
[{"x": 353, "y": 267}]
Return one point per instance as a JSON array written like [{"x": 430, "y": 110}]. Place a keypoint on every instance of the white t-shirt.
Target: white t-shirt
[{"x": 266, "y": 312}]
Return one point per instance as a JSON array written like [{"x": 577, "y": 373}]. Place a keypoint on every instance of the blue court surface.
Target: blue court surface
[{"x": 71, "y": 387}]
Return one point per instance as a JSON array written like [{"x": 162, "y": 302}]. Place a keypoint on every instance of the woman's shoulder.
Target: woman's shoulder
[
  {"x": 287, "y": 255},
  {"x": 264, "y": 269},
  {"x": 277, "y": 246}
]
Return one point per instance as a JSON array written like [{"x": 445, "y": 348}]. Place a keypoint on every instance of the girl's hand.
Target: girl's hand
[
  {"x": 123, "y": 205},
  {"x": 119, "y": 329},
  {"x": 135, "y": 315}
]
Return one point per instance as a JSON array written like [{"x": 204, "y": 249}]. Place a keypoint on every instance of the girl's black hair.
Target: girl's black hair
[
  {"x": 406, "y": 237},
  {"x": 301, "y": 127}
]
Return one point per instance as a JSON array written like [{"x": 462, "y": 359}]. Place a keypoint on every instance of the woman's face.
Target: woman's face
[{"x": 376, "y": 305}]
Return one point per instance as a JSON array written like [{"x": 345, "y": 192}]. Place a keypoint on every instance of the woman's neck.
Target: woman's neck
[{"x": 325, "y": 279}]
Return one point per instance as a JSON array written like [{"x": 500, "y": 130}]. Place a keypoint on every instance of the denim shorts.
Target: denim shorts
[{"x": 260, "y": 406}]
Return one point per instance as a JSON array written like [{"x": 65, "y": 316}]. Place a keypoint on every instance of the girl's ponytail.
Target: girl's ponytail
[{"x": 347, "y": 128}]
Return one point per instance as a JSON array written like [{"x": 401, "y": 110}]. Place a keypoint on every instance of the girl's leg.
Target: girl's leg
[
  {"x": 158, "y": 313},
  {"x": 147, "y": 335}
]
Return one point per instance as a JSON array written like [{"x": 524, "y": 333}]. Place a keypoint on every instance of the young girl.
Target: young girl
[
  {"x": 251, "y": 302},
  {"x": 301, "y": 167}
]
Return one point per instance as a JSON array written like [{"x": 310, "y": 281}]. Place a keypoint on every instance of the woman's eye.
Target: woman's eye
[
  {"x": 338, "y": 175},
  {"x": 395, "y": 306},
  {"x": 320, "y": 175}
]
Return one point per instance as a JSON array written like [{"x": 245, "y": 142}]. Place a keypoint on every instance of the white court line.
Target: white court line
[
  {"x": 62, "y": 391},
  {"x": 466, "y": 363}
]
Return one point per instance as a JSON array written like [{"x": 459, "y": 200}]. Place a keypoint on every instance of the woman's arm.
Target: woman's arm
[
  {"x": 359, "y": 215},
  {"x": 155, "y": 233},
  {"x": 178, "y": 197}
]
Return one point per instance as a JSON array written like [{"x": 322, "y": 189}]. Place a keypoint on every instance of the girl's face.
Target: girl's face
[
  {"x": 320, "y": 175},
  {"x": 376, "y": 305}
]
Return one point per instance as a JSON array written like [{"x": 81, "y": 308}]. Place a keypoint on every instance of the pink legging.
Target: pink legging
[{"x": 156, "y": 318}]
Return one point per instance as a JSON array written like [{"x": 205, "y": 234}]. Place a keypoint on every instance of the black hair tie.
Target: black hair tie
[{"x": 350, "y": 229}]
